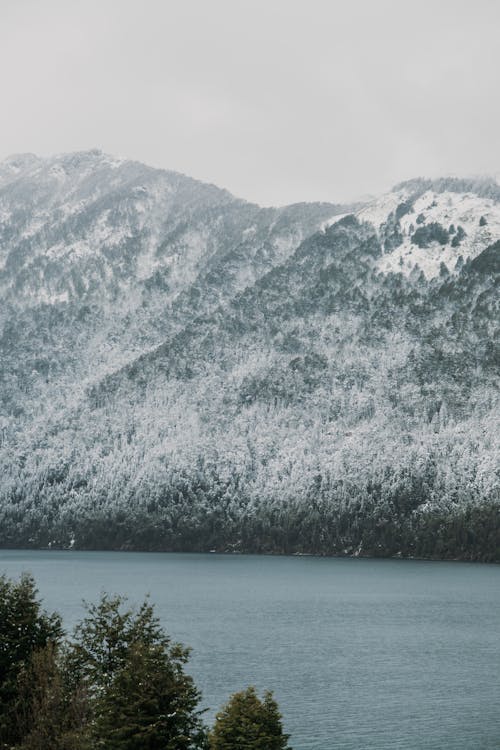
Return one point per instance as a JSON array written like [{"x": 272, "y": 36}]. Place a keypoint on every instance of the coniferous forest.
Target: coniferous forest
[{"x": 182, "y": 370}]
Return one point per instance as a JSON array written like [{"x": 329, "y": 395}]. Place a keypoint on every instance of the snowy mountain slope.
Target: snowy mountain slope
[
  {"x": 91, "y": 241},
  {"x": 80, "y": 224},
  {"x": 467, "y": 212},
  {"x": 73, "y": 224},
  {"x": 216, "y": 375}
]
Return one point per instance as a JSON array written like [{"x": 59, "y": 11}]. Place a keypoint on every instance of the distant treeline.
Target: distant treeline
[{"x": 471, "y": 533}]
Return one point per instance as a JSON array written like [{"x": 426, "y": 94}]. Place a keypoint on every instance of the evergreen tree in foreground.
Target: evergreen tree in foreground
[
  {"x": 50, "y": 715},
  {"x": 24, "y": 630},
  {"x": 140, "y": 697},
  {"x": 118, "y": 685},
  {"x": 149, "y": 705},
  {"x": 248, "y": 723}
]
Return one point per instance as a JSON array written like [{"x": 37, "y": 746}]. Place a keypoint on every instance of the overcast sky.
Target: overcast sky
[{"x": 276, "y": 100}]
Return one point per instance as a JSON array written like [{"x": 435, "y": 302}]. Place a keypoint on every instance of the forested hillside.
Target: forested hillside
[{"x": 182, "y": 370}]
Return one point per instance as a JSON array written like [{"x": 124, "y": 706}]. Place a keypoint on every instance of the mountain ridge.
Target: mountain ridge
[{"x": 304, "y": 379}]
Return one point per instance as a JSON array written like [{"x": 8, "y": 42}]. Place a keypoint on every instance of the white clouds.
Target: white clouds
[{"x": 278, "y": 101}]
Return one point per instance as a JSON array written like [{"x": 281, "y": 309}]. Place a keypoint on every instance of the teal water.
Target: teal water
[{"x": 361, "y": 654}]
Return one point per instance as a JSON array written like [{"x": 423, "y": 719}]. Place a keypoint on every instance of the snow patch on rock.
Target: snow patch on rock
[{"x": 478, "y": 217}]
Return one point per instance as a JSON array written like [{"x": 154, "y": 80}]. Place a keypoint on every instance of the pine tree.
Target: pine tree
[
  {"x": 49, "y": 713},
  {"x": 248, "y": 723},
  {"x": 149, "y": 704},
  {"x": 24, "y": 630},
  {"x": 141, "y": 699}
]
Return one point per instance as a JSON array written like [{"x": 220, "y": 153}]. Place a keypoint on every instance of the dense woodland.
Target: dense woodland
[{"x": 313, "y": 405}]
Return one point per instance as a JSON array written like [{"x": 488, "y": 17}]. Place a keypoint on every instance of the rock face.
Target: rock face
[{"x": 181, "y": 369}]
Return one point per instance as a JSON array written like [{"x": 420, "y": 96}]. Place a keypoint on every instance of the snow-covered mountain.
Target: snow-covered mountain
[
  {"x": 115, "y": 240},
  {"x": 423, "y": 224},
  {"x": 78, "y": 225},
  {"x": 181, "y": 369}
]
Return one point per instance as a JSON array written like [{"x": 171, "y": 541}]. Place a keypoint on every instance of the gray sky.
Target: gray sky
[{"x": 276, "y": 100}]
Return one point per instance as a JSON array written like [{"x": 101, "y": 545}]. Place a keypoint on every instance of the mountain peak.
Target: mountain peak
[
  {"x": 423, "y": 224},
  {"x": 484, "y": 186},
  {"x": 183, "y": 370},
  {"x": 16, "y": 163}
]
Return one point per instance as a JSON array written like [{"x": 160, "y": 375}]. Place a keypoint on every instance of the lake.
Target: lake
[{"x": 361, "y": 654}]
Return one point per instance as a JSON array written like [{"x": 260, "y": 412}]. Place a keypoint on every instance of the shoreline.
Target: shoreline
[{"x": 246, "y": 553}]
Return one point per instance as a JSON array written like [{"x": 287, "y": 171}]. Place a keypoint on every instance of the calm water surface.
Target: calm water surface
[{"x": 361, "y": 654}]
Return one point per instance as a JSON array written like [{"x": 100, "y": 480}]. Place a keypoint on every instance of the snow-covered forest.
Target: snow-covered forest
[{"x": 183, "y": 370}]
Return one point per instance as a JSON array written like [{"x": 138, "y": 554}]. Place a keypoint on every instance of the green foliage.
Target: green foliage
[
  {"x": 49, "y": 712},
  {"x": 149, "y": 703},
  {"x": 25, "y": 629},
  {"x": 249, "y": 723},
  {"x": 118, "y": 685},
  {"x": 103, "y": 639},
  {"x": 140, "y": 696}
]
